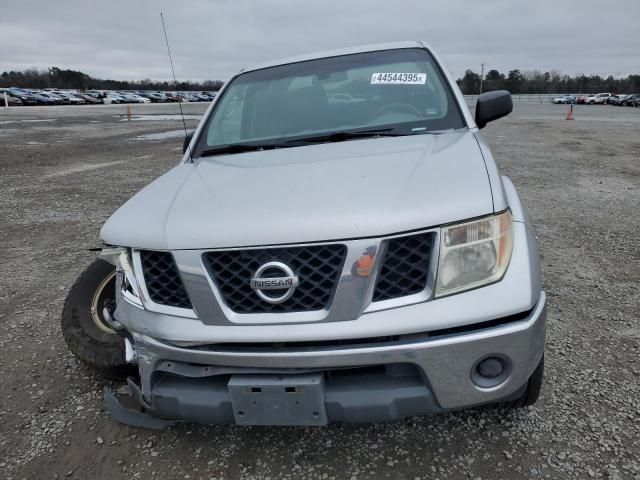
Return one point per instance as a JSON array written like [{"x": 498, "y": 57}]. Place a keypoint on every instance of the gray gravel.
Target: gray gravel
[{"x": 65, "y": 170}]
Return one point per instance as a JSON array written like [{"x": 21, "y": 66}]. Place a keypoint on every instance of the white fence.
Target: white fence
[{"x": 524, "y": 97}]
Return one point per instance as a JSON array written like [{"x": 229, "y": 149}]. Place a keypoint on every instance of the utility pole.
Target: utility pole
[{"x": 481, "y": 76}]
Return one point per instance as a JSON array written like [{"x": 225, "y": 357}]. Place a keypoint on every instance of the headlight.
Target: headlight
[
  {"x": 121, "y": 258},
  {"x": 474, "y": 253}
]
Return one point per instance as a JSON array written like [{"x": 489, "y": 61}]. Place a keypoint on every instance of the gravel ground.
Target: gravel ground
[{"x": 65, "y": 170}]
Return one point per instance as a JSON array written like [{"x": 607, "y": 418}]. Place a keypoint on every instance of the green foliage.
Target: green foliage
[
  {"x": 470, "y": 82},
  {"x": 71, "y": 79},
  {"x": 547, "y": 82},
  {"x": 515, "y": 81}
]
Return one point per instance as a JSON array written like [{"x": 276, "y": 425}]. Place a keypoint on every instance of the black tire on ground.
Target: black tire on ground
[
  {"x": 86, "y": 333},
  {"x": 531, "y": 392}
]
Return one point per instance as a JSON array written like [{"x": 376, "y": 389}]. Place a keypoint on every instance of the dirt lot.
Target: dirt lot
[{"x": 66, "y": 169}]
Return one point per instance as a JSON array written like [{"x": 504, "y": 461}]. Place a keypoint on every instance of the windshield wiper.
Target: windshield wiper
[
  {"x": 347, "y": 135},
  {"x": 240, "y": 148},
  {"x": 325, "y": 138}
]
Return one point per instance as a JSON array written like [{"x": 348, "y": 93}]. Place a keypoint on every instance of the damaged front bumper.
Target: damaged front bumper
[{"x": 362, "y": 381}]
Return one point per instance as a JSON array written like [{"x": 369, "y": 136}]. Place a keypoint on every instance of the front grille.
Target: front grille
[
  {"x": 318, "y": 269},
  {"x": 163, "y": 281},
  {"x": 405, "y": 267}
]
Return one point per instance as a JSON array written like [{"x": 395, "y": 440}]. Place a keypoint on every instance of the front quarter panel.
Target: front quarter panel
[
  {"x": 518, "y": 212},
  {"x": 500, "y": 201},
  {"x": 520, "y": 215}
]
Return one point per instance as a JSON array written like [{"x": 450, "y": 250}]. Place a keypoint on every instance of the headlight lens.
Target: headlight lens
[{"x": 474, "y": 253}]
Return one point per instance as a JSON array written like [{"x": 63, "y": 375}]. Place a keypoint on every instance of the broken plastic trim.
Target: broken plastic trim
[
  {"x": 134, "y": 418},
  {"x": 120, "y": 257}
]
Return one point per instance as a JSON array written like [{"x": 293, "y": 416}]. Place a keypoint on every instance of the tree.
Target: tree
[
  {"x": 493, "y": 81},
  {"x": 515, "y": 81},
  {"x": 470, "y": 83},
  {"x": 532, "y": 81},
  {"x": 71, "y": 79}
]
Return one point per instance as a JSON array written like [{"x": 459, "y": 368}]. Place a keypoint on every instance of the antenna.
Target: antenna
[{"x": 175, "y": 84}]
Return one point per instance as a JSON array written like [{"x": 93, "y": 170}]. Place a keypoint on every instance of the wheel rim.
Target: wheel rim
[{"x": 105, "y": 291}]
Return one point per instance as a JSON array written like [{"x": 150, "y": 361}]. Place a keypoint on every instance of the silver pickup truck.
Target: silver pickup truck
[{"x": 336, "y": 244}]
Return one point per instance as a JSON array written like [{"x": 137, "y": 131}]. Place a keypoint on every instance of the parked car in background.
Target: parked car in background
[
  {"x": 89, "y": 99},
  {"x": 631, "y": 100},
  {"x": 12, "y": 100},
  {"x": 582, "y": 99},
  {"x": 188, "y": 97},
  {"x": 200, "y": 97},
  {"x": 617, "y": 99},
  {"x": 210, "y": 96},
  {"x": 43, "y": 98},
  {"x": 95, "y": 94},
  {"x": 62, "y": 100},
  {"x": 154, "y": 97},
  {"x": 598, "y": 98},
  {"x": 564, "y": 99},
  {"x": 26, "y": 97},
  {"x": 57, "y": 96},
  {"x": 58, "y": 100},
  {"x": 73, "y": 100},
  {"x": 111, "y": 97},
  {"x": 171, "y": 96},
  {"x": 141, "y": 98},
  {"x": 130, "y": 97},
  {"x": 614, "y": 98}
]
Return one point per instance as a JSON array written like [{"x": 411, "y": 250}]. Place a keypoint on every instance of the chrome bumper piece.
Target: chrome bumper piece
[{"x": 445, "y": 363}]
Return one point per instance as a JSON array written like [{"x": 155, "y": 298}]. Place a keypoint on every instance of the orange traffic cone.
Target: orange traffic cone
[{"x": 570, "y": 113}]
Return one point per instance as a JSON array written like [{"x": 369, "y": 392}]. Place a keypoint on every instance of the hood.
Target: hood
[{"x": 352, "y": 189}]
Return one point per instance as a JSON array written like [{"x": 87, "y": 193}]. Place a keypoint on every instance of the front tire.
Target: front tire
[
  {"x": 87, "y": 334},
  {"x": 531, "y": 392}
]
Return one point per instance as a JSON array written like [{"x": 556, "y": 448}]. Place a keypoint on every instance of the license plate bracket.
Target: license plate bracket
[{"x": 278, "y": 399}]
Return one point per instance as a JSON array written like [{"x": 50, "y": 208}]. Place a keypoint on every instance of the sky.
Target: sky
[{"x": 213, "y": 39}]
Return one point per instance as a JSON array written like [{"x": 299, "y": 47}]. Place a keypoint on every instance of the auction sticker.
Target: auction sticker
[{"x": 399, "y": 78}]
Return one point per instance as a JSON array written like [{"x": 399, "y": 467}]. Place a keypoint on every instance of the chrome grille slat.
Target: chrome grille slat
[{"x": 317, "y": 266}]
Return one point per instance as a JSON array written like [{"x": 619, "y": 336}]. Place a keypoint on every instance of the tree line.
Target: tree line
[
  {"x": 515, "y": 81},
  {"x": 535, "y": 81},
  {"x": 55, "y": 77}
]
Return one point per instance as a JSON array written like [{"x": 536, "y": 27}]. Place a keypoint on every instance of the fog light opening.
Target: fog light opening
[{"x": 491, "y": 371}]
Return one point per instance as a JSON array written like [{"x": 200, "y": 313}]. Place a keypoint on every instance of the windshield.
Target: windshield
[{"x": 399, "y": 90}]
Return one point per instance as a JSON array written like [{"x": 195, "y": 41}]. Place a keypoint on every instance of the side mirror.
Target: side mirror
[
  {"x": 491, "y": 106},
  {"x": 187, "y": 140}
]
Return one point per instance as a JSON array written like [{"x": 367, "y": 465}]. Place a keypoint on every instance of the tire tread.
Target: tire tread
[{"x": 104, "y": 354}]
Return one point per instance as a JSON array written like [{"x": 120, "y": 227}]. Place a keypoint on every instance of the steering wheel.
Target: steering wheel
[{"x": 397, "y": 107}]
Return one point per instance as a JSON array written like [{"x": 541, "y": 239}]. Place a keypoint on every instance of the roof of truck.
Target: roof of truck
[{"x": 335, "y": 53}]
